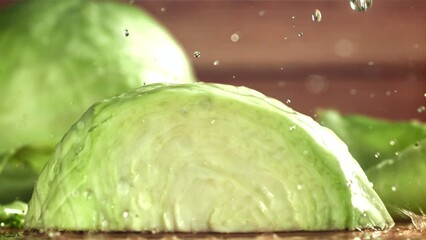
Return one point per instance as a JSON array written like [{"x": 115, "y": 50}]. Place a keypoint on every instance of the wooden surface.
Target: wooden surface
[
  {"x": 399, "y": 232},
  {"x": 358, "y": 62},
  {"x": 371, "y": 62}
]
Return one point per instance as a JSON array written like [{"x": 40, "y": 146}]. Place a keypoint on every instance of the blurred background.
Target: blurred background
[{"x": 371, "y": 62}]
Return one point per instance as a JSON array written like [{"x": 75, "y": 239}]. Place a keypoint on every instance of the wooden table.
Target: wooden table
[{"x": 399, "y": 232}]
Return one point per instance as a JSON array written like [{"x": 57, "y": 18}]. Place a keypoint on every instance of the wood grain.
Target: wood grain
[{"x": 371, "y": 62}]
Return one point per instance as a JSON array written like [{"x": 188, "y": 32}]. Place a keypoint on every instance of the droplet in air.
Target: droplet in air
[
  {"x": 317, "y": 16},
  {"x": 377, "y": 155},
  {"x": 352, "y": 91},
  {"x": 392, "y": 142},
  {"x": 300, "y": 34},
  {"x": 388, "y": 93},
  {"x": 421, "y": 109},
  {"x": 288, "y": 101},
  {"x": 262, "y": 13},
  {"x": 393, "y": 188},
  {"x": 316, "y": 83},
  {"x": 216, "y": 62},
  {"x": 299, "y": 187},
  {"x": 360, "y": 5},
  {"x": 126, "y": 33},
  {"x": 125, "y": 214},
  {"x": 235, "y": 37},
  {"x": 163, "y": 9},
  {"x": 370, "y": 63},
  {"x": 197, "y": 54},
  {"x": 293, "y": 17},
  {"x": 292, "y": 128}
]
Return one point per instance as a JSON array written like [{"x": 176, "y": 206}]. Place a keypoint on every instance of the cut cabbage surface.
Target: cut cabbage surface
[{"x": 201, "y": 158}]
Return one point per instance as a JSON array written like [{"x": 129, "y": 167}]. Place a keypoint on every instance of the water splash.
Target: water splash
[{"x": 419, "y": 221}]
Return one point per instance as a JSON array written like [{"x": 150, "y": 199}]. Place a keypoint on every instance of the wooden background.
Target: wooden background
[{"x": 371, "y": 62}]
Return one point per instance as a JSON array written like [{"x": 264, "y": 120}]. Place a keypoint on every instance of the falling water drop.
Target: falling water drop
[
  {"x": 317, "y": 16},
  {"x": 197, "y": 54},
  {"x": 360, "y": 5},
  {"x": 235, "y": 37}
]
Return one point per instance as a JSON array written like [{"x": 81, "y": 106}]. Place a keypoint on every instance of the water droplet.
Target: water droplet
[
  {"x": 262, "y": 13},
  {"x": 288, "y": 101},
  {"x": 233, "y": 76},
  {"x": 104, "y": 223},
  {"x": 370, "y": 184},
  {"x": 392, "y": 142},
  {"x": 396, "y": 153},
  {"x": 123, "y": 186},
  {"x": 197, "y": 54},
  {"x": 377, "y": 155},
  {"x": 80, "y": 125},
  {"x": 388, "y": 93},
  {"x": 316, "y": 84},
  {"x": 76, "y": 193},
  {"x": 371, "y": 63},
  {"x": 343, "y": 48},
  {"x": 163, "y": 9},
  {"x": 424, "y": 94},
  {"x": 126, "y": 33},
  {"x": 352, "y": 91},
  {"x": 213, "y": 121},
  {"x": 299, "y": 187},
  {"x": 419, "y": 221},
  {"x": 216, "y": 62},
  {"x": 235, "y": 37},
  {"x": 349, "y": 183},
  {"x": 293, "y": 17},
  {"x": 360, "y": 5},
  {"x": 292, "y": 128},
  {"x": 316, "y": 16},
  {"x": 125, "y": 214},
  {"x": 300, "y": 34},
  {"x": 88, "y": 194},
  {"x": 393, "y": 188},
  {"x": 285, "y": 38},
  {"x": 421, "y": 109},
  {"x": 372, "y": 95}
]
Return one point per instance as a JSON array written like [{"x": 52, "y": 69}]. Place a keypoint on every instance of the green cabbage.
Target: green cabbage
[
  {"x": 201, "y": 157},
  {"x": 57, "y": 58},
  {"x": 393, "y": 155}
]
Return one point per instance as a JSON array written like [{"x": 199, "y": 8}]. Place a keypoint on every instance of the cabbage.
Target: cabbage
[
  {"x": 392, "y": 154},
  {"x": 57, "y": 58},
  {"x": 201, "y": 158}
]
